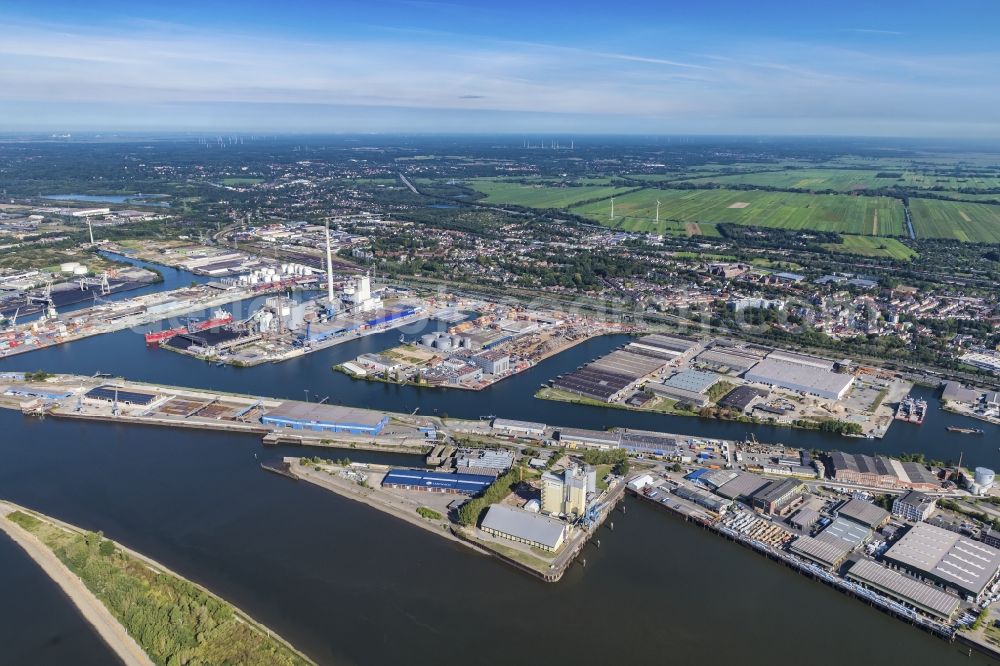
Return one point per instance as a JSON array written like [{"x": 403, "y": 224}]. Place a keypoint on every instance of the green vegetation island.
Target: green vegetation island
[{"x": 173, "y": 620}]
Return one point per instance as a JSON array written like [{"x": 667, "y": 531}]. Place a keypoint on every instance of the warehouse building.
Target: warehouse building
[
  {"x": 824, "y": 553},
  {"x": 703, "y": 498},
  {"x": 743, "y": 487},
  {"x": 864, "y": 513},
  {"x": 645, "y": 443},
  {"x": 715, "y": 478},
  {"x": 804, "y": 519},
  {"x": 611, "y": 377},
  {"x": 846, "y": 533},
  {"x": 114, "y": 394},
  {"x": 532, "y": 529},
  {"x": 575, "y": 438},
  {"x": 947, "y": 559},
  {"x": 671, "y": 347},
  {"x": 688, "y": 387},
  {"x": 437, "y": 482},
  {"x": 800, "y": 378},
  {"x": 801, "y": 359},
  {"x": 912, "y": 593},
  {"x": 881, "y": 471},
  {"x": 777, "y": 495},
  {"x": 743, "y": 398},
  {"x": 914, "y": 505},
  {"x": 729, "y": 359},
  {"x": 325, "y": 418},
  {"x": 484, "y": 461},
  {"x": 518, "y": 428}
]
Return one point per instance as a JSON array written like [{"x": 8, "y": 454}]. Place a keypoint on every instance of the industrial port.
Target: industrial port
[
  {"x": 474, "y": 353},
  {"x": 537, "y": 494},
  {"x": 720, "y": 378},
  {"x": 109, "y": 316}
]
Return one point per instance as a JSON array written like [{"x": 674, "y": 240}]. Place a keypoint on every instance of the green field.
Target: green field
[
  {"x": 978, "y": 223},
  {"x": 843, "y": 180},
  {"x": 846, "y": 180},
  {"x": 785, "y": 210},
  {"x": 869, "y": 246},
  {"x": 539, "y": 196},
  {"x": 231, "y": 182}
]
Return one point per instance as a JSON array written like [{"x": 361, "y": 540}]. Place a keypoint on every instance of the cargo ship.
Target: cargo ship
[
  {"x": 912, "y": 410},
  {"x": 219, "y": 318},
  {"x": 965, "y": 431}
]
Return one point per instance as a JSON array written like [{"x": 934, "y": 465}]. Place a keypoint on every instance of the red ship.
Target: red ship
[{"x": 219, "y": 318}]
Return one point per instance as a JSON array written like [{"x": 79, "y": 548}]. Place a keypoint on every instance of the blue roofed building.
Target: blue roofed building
[
  {"x": 437, "y": 482},
  {"x": 325, "y": 418}
]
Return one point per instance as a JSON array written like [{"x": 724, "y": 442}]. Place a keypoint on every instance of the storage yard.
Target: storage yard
[
  {"x": 473, "y": 354},
  {"x": 107, "y": 317},
  {"x": 736, "y": 381}
]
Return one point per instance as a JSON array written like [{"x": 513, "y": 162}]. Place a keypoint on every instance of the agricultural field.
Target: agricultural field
[
  {"x": 541, "y": 195},
  {"x": 232, "y": 182},
  {"x": 843, "y": 180},
  {"x": 872, "y": 216},
  {"x": 970, "y": 222},
  {"x": 870, "y": 246},
  {"x": 846, "y": 180}
]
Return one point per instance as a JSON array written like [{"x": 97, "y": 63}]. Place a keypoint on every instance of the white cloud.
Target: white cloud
[{"x": 156, "y": 64}]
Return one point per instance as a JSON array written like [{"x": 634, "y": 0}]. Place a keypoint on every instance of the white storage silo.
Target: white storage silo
[{"x": 984, "y": 477}]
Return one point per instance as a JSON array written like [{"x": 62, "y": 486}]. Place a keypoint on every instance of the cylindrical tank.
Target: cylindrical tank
[
  {"x": 984, "y": 476},
  {"x": 427, "y": 339},
  {"x": 80, "y": 270},
  {"x": 444, "y": 344}
]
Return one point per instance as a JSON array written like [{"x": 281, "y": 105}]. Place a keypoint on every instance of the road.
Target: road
[
  {"x": 407, "y": 182},
  {"x": 107, "y": 626}
]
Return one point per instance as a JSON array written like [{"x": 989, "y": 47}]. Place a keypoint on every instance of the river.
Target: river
[{"x": 349, "y": 585}]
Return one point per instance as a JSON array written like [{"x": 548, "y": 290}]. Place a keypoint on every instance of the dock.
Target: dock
[{"x": 681, "y": 508}]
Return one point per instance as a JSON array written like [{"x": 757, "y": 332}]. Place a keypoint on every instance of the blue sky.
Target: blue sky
[{"x": 847, "y": 68}]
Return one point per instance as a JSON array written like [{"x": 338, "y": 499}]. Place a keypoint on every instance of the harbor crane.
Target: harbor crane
[{"x": 99, "y": 281}]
